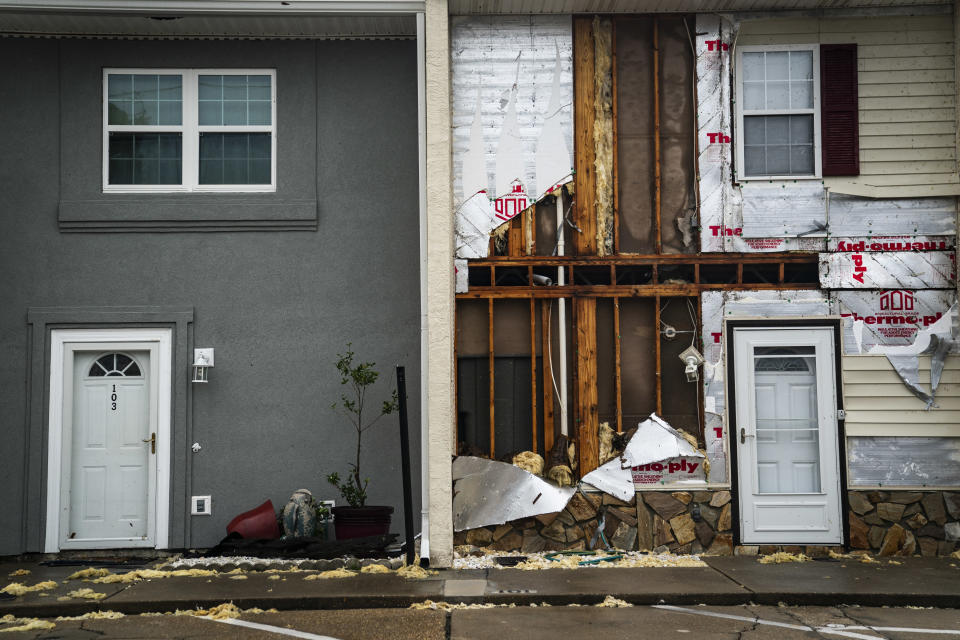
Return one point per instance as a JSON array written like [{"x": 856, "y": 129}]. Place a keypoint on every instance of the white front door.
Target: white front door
[
  {"x": 109, "y": 428},
  {"x": 787, "y": 449},
  {"x": 113, "y": 449}
]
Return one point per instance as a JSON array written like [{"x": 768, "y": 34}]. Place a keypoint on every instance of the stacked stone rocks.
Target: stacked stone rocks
[
  {"x": 679, "y": 522},
  {"x": 904, "y": 523}
]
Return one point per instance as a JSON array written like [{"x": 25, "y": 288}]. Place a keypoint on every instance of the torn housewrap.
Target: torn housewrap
[
  {"x": 487, "y": 492},
  {"x": 655, "y": 441},
  {"x": 937, "y": 340}
]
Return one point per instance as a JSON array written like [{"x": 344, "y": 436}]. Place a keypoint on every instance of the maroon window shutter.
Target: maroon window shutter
[{"x": 839, "y": 122}]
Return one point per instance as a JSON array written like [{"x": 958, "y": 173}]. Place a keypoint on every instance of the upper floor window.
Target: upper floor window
[
  {"x": 778, "y": 111},
  {"x": 189, "y": 130}
]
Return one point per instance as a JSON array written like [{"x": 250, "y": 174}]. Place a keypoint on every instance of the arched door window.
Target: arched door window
[{"x": 114, "y": 365}]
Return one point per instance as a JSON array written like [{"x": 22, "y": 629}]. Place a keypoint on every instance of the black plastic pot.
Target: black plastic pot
[{"x": 360, "y": 522}]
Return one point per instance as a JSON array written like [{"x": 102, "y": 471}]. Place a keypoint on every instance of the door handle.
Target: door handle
[
  {"x": 153, "y": 442},
  {"x": 744, "y": 435}
]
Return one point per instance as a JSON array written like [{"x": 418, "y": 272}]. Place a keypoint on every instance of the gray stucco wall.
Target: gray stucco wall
[{"x": 276, "y": 305}]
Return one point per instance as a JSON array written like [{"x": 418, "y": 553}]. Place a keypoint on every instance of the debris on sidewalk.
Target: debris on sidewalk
[
  {"x": 781, "y": 557},
  {"x": 612, "y": 602},
  {"x": 414, "y": 572},
  {"x": 333, "y": 573},
  {"x": 150, "y": 574},
  {"x": 25, "y": 624},
  {"x": 456, "y": 606},
  {"x": 18, "y": 589},
  {"x": 18, "y": 573},
  {"x": 93, "y": 615},
  {"x": 554, "y": 560},
  {"x": 88, "y": 574},
  {"x": 86, "y": 593},
  {"x": 375, "y": 568}
]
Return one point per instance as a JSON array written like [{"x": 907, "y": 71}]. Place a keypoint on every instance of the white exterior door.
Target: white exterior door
[
  {"x": 787, "y": 449},
  {"x": 109, "y": 428}
]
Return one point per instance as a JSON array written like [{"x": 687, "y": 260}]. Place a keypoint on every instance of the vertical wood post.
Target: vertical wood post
[
  {"x": 584, "y": 95},
  {"x": 588, "y": 443}
]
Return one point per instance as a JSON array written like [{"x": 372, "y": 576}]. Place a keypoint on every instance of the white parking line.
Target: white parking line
[
  {"x": 826, "y": 630},
  {"x": 266, "y": 627}
]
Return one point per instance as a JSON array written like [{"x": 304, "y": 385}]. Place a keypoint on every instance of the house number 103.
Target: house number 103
[{"x": 113, "y": 398}]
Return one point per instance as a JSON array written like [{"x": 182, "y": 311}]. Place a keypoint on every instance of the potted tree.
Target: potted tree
[{"x": 358, "y": 519}]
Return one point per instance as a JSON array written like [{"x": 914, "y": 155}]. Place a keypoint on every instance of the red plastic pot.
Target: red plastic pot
[
  {"x": 360, "y": 522},
  {"x": 256, "y": 523}
]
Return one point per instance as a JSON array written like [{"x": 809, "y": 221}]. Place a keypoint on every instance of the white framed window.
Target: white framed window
[
  {"x": 189, "y": 130},
  {"x": 778, "y": 112}
]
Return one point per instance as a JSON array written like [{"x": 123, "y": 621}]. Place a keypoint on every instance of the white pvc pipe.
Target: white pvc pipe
[
  {"x": 424, "y": 337},
  {"x": 562, "y": 321}
]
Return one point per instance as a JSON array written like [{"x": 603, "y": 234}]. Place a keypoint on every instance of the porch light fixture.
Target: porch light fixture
[
  {"x": 693, "y": 359},
  {"x": 202, "y": 362}
]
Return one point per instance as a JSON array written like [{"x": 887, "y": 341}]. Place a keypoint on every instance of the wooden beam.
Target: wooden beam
[
  {"x": 533, "y": 372},
  {"x": 515, "y": 243},
  {"x": 584, "y": 96},
  {"x": 545, "y": 349},
  {"x": 493, "y": 455},
  {"x": 656, "y": 352},
  {"x": 651, "y": 258},
  {"x": 618, "y": 383},
  {"x": 588, "y": 421},
  {"x": 621, "y": 291}
]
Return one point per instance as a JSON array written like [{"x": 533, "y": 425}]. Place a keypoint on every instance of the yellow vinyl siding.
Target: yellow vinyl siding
[
  {"x": 907, "y": 98},
  {"x": 878, "y": 404}
]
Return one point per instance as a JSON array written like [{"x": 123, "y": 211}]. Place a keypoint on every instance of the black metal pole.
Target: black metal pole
[{"x": 405, "y": 463}]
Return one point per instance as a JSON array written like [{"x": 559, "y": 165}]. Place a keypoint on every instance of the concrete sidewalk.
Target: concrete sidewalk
[{"x": 725, "y": 581}]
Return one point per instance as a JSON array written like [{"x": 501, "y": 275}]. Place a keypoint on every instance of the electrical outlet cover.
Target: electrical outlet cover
[{"x": 201, "y": 506}]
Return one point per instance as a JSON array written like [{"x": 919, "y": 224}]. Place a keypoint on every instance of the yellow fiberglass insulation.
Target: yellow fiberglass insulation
[
  {"x": 333, "y": 573},
  {"x": 94, "y": 615},
  {"x": 782, "y": 556},
  {"x": 19, "y": 572},
  {"x": 88, "y": 573},
  {"x": 375, "y": 568},
  {"x": 29, "y": 624},
  {"x": 529, "y": 461},
  {"x": 610, "y": 601},
  {"x": 150, "y": 574},
  {"x": 87, "y": 593},
  {"x": 606, "y": 443},
  {"x": 18, "y": 589},
  {"x": 561, "y": 474},
  {"x": 603, "y": 132},
  {"x": 414, "y": 572}
]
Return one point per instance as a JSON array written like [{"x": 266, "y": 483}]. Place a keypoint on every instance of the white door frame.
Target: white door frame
[
  {"x": 828, "y": 402},
  {"x": 62, "y": 343}
]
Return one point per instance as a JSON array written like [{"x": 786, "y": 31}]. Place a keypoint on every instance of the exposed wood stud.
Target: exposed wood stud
[
  {"x": 739, "y": 273},
  {"x": 656, "y": 355},
  {"x": 533, "y": 371},
  {"x": 618, "y": 386},
  {"x": 780, "y": 273},
  {"x": 515, "y": 243},
  {"x": 545, "y": 349},
  {"x": 588, "y": 442},
  {"x": 656, "y": 135},
  {"x": 584, "y": 96},
  {"x": 493, "y": 454},
  {"x": 696, "y": 273},
  {"x": 655, "y": 274}
]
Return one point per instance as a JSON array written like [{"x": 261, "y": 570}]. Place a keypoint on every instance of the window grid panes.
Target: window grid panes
[
  {"x": 140, "y": 99},
  {"x": 190, "y": 129},
  {"x": 234, "y": 158},
  {"x": 230, "y": 100},
  {"x": 778, "y": 107},
  {"x": 145, "y": 158}
]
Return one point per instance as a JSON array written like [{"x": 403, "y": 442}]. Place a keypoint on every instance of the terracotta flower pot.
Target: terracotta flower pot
[{"x": 360, "y": 522}]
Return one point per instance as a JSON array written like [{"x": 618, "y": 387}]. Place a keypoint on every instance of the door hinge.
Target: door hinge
[{"x": 841, "y": 414}]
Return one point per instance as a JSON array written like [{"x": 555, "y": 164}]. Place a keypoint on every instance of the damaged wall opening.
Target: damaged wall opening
[{"x": 576, "y": 306}]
